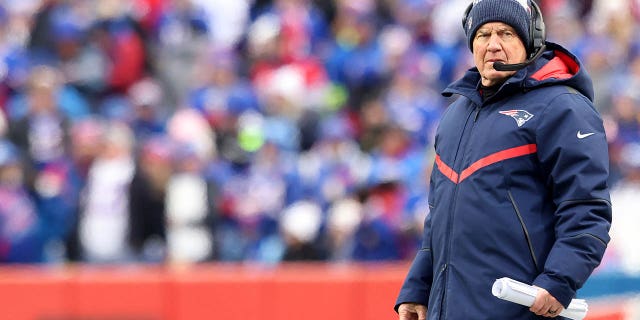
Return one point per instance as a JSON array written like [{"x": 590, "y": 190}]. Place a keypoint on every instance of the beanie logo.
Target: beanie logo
[{"x": 469, "y": 23}]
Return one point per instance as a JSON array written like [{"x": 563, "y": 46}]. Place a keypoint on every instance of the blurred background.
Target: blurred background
[{"x": 240, "y": 138}]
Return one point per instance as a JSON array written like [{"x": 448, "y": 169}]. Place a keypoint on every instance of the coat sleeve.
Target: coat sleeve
[
  {"x": 417, "y": 284},
  {"x": 573, "y": 152}
]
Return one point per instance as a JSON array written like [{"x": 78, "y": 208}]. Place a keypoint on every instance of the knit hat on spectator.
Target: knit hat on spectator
[{"x": 515, "y": 13}]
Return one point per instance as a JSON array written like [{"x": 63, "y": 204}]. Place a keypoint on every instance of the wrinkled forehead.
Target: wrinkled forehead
[{"x": 495, "y": 25}]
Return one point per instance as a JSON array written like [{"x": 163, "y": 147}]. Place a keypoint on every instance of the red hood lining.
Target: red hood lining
[{"x": 562, "y": 66}]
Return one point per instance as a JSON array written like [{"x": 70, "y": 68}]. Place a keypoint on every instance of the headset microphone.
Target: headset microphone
[{"x": 499, "y": 66}]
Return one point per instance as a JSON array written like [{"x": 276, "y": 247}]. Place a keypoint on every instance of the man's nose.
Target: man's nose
[{"x": 495, "y": 43}]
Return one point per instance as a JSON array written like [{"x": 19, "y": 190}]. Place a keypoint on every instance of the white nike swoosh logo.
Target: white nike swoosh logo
[{"x": 580, "y": 135}]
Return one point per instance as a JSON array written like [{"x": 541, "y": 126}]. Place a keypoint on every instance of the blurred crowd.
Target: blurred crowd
[{"x": 185, "y": 131}]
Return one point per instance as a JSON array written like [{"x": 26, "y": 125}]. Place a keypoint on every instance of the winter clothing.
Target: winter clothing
[
  {"x": 510, "y": 12},
  {"x": 519, "y": 189}
]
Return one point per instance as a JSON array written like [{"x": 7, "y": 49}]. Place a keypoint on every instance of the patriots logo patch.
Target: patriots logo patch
[{"x": 521, "y": 116}]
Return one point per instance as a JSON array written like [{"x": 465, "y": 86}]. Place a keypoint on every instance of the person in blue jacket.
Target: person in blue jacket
[{"x": 519, "y": 185}]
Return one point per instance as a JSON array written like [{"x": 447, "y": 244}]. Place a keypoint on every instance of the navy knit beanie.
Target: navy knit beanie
[{"x": 511, "y": 12}]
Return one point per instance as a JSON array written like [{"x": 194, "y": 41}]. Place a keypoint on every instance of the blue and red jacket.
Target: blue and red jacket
[{"x": 519, "y": 189}]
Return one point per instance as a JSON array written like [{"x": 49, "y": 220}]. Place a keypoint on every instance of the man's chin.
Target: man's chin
[
  {"x": 498, "y": 76},
  {"x": 493, "y": 77}
]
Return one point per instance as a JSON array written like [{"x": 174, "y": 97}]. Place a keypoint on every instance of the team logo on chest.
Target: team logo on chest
[{"x": 521, "y": 116}]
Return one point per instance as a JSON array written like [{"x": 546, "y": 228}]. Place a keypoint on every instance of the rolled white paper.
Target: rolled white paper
[{"x": 524, "y": 294}]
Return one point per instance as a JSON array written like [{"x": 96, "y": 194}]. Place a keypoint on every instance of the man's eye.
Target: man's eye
[{"x": 507, "y": 34}]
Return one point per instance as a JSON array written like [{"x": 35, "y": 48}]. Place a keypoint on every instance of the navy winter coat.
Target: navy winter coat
[{"x": 519, "y": 189}]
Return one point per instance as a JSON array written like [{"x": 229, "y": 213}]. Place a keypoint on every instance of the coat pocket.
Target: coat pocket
[{"x": 525, "y": 231}]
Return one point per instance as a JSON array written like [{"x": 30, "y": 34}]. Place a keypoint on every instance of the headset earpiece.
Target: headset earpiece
[{"x": 537, "y": 33}]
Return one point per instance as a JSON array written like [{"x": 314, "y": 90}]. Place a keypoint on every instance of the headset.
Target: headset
[{"x": 537, "y": 38}]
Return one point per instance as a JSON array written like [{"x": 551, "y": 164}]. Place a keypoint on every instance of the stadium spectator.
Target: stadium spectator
[
  {"x": 147, "y": 199},
  {"x": 343, "y": 219},
  {"x": 104, "y": 217},
  {"x": 295, "y": 96},
  {"x": 39, "y": 123},
  {"x": 300, "y": 225},
  {"x": 21, "y": 238}
]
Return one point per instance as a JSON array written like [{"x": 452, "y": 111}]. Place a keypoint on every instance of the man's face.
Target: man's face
[{"x": 496, "y": 42}]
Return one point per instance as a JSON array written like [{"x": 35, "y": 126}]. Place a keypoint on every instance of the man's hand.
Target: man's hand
[
  {"x": 545, "y": 305},
  {"x": 412, "y": 311}
]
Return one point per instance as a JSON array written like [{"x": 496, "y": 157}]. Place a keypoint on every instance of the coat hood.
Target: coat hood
[{"x": 556, "y": 66}]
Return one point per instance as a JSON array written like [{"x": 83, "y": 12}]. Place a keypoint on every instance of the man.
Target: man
[{"x": 519, "y": 186}]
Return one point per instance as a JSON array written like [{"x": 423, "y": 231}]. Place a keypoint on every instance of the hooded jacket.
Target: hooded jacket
[{"x": 518, "y": 189}]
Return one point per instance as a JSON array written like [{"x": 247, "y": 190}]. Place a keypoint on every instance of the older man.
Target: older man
[{"x": 519, "y": 186}]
